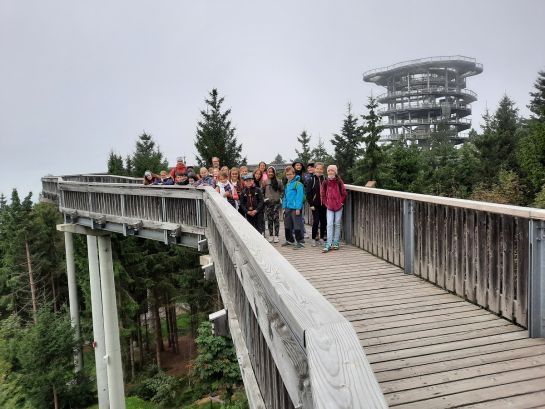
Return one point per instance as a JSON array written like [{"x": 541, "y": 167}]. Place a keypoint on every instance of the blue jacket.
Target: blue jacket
[{"x": 294, "y": 194}]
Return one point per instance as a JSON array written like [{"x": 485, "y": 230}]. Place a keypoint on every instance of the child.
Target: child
[
  {"x": 206, "y": 179},
  {"x": 226, "y": 189},
  {"x": 333, "y": 194},
  {"x": 149, "y": 178},
  {"x": 243, "y": 171},
  {"x": 309, "y": 174},
  {"x": 181, "y": 179},
  {"x": 234, "y": 178},
  {"x": 179, "y": 168},
  {"x": 263, "y": 168},
  {"x": 251, "y": 202},
  {"x": 292, "y": 204},
  {"x": 319, "y": 211},
  {"x": 164, "y": 179},
  {"x": 273, "y": 192},
  {"x": 192, "y": 178}
]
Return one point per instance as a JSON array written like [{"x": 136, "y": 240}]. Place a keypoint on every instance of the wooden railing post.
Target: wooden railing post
[
  {"x": 408, "y": 235},
  {"x": 348, "y": 220},
  {"x": 536, "y": 293}
]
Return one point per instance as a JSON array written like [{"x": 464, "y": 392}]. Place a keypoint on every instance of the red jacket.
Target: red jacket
[
  {"x": 175, "y": 169},
  {"x": 333, "y": 193}
]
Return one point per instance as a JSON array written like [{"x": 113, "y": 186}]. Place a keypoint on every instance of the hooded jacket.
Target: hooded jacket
[
  {"x": 313, "y": 190},
  {"x": 294, "y": 194},
  {"x": 333, "y": 193}
]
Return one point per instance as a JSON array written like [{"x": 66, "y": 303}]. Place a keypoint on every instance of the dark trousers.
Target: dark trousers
[
  {"x": 319, "y": 220},
  {"x": 257, "y": 221},
  {"x": 293, "y": 224}
]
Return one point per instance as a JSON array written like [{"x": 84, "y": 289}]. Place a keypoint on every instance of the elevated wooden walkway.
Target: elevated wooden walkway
[{"x": 427, "y": 347}]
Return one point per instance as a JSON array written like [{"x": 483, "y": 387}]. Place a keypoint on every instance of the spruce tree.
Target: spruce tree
[
  {"x": 320, "y": 154},
  {"x": 537, "y": 102},
  {"x": 115, "y": 164},
  {"x": 348, "y": 144},
  {"x": 304, "y": 155},
  {"x": 216, "y": 135},
  {"x": 147, "y": 157},
  {"x": 368, "y": 168},
  {"x": 278, "y": 159}
]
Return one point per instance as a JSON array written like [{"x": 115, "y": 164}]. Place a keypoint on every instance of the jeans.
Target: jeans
[{"x": 334, "y": 226}]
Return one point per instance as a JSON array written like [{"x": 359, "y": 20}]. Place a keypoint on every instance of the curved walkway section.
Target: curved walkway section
[{"x": 427, "y": 347}]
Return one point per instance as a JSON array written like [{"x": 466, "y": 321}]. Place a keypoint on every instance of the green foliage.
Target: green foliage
[
  {"x": 216, "y": 365},
  {"x": 305, "y": 154},
  {"x": 146, "y": 157},
  {"x": 216, "y": 135},
  {"x": 160, "y": 388},
  {"x": 278, "y": 159},
  {"x": 134, "y": 402},
  {"x": 537, "y": 102},
  {"x": 348, "y": 144},
  {"x": 531, "y": 156},
  {"x": 115, "y": 165},
  {"x": 369, "y": 167},
  {"x": 320, "y": 154},
  {"x": 403, "y": 167},
  {"x": 506, "y": 191}
]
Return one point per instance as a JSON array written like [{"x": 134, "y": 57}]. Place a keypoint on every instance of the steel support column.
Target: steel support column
[
  {"x": 408, "y": 235},
  {"x": 73, "y": 295},
  {"x": 98, "y": 323},
  {"x": 536, "y": 293},
  {"x": 111, "y": 328}
]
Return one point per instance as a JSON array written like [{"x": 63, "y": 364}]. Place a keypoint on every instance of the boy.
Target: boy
[
  {"x": 251, "y": 202},
  {"x": 164, "y": 179},
  {"x": 293, "y": 204},
  {"x": 319, "y": 211},
  {"x": 206, "y": 179},
  {"x": 181, "y": 179}
]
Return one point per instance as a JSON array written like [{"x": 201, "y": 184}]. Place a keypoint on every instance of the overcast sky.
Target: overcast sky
[{"x": 78, "y": 79}]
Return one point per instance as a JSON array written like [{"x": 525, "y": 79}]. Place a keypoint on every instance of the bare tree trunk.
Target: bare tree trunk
[
  {"x": 159, "y": 346},
  {"x": 54, "y": 292},
  {"x": 131, "y": 357},
  {"x": 147, "y": 332},
  {"x": 175, "y": 328},
  {"x": 169, "y": 323},
  {"x": 139, "y": 340},
  {"x": 32, "y": 283},
  {"x": 55, "y": 398}
]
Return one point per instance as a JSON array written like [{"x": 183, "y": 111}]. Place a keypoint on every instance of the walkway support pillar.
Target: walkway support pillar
[
  {"x": 536, "y": 293},
  {"x": 73, "y": 296},
  {"x": 111, "y": 328},
  {"x": 408, "y": 236},
  {"x": 99, "y": 343},
  {"x": 348, "y": 220}
]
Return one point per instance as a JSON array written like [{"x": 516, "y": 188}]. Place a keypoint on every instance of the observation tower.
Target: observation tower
[{"x": 425, "y": 95}]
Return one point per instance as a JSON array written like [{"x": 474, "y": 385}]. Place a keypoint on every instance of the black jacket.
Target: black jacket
[
  {"x": 251, "y": 197},
  {"x": 312, "y": 190}
]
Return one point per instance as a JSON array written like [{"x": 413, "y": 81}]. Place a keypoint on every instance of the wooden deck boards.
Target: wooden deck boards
[{"x": 428, "y": 348}]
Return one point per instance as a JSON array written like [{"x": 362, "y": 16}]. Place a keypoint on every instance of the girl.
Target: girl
[
  {"x": 273, "y": 193},
  {"x": 258, "y": 183},
  {"x": 234, "y": 178},
  {"x": 149, "y": 178},
  {"x": 319, "y": 211},
  {"x": 333, "y": 194},
  {"x": 226, "y": 189},
  {"x": 263, "y": 168}
]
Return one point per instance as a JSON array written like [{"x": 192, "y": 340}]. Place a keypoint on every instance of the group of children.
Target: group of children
[{"x": 261, "y": 196}]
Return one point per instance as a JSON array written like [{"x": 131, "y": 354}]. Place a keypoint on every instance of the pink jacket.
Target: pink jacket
[{"x": 333, "y": 194}]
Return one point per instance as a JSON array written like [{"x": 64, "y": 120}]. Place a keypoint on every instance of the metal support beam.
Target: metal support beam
[
  {"x": 99, "y": 343},
  {"x": 408, "y": 235},
  {"x": 536, "y": 293},
  {"x": 73, "y": 296},
  {"x": 111, "y": 326}
]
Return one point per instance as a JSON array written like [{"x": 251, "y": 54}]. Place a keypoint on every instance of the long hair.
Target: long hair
[{"x": 273, "y": 180}]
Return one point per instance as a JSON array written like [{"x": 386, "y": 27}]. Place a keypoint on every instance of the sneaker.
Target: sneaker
[
  {"x": 298, "y": 246},
  {"x": 276, "y": 240},
  {"x": 326, "y": 249},
  {"x": 313, "y": 243},
  {"x": 287, "y": 243},
  {"x": 335, "y": 245},
  {"x": 271, "y": 238}
]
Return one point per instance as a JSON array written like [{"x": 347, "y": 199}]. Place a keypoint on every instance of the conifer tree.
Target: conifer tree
[
  {"x": 537, "y": 102},
  {"x": 348, "y": 144},
  {"x": 368, "y": 168},
  {"x": 216, "y": 135},
  {"x": 320, "y": 153},
  {"x": 115, "y": 165},
  {"x": 304, "y": 155},
  {"x": 147, "y": 157}
]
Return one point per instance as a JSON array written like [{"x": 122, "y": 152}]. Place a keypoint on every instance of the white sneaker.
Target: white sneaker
[
  {"x": 271, "y": 238},
  {"x": 313, "y": 243},
  {"x": 276, "y": 239}
]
